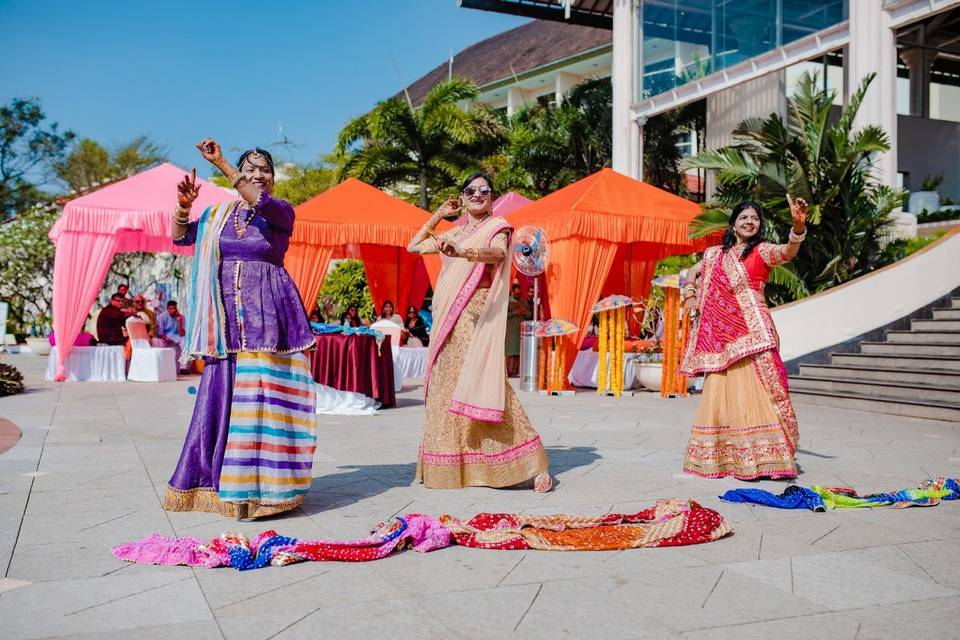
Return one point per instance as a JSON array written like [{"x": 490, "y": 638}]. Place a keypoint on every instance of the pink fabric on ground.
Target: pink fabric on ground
[{"x": 135, "y": 214}]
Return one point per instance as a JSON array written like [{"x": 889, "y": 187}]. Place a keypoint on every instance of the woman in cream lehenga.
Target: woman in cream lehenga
[{"x": 476, "y": 432}]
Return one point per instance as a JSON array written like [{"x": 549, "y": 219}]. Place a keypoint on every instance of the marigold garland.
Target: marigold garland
[{"x": 602, "y": 349}]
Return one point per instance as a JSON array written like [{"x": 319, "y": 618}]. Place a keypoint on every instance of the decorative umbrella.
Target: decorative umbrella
[
  {"x": 554, "y": 328},
  {"x": 613, "y": 302},
  {"x": 668, "y": 281}
]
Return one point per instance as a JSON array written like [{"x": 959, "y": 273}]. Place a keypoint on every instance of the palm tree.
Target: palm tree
[
  {"x": 822, "y": 159},
  {"x": 426, "y": 148},
  {"x": 550, "y": 146}
]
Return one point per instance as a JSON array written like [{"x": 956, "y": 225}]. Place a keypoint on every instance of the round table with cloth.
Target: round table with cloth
[
  {"x": 587, "y": 366},
  {"x": 354, "y": 364},
  {"x": 95, "y": 364},
  {"x": 410, "y": 362}
]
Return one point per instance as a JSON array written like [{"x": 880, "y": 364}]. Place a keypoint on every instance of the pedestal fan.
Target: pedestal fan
[{"x": 530, "y": 254}]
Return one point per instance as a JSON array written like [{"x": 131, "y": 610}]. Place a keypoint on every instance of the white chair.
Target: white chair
[
  {"x": 148, "y": 364},
  {"x": 388, "y": 328}
]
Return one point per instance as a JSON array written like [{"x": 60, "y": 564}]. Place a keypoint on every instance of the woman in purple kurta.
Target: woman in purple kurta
[{"x": 249, "y": 448}]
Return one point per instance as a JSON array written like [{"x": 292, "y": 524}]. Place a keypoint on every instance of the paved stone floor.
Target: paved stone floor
[{"x": 91, "y": 466}]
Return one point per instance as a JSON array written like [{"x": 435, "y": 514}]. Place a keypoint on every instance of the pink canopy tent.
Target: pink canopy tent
[
  {"x": 509, "y": 202},
  {"x": 134, "y": 214}
]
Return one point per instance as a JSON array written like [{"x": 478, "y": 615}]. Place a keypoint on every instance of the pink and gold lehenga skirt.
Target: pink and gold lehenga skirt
[
  {"x": 738, "y": 429},
  {"x": 459, "y": 452}
]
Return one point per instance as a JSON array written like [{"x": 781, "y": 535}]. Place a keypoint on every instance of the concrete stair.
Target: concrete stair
[{"x": 913, "y": 373}]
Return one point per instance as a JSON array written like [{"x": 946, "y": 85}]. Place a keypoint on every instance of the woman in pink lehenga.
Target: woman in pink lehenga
[
  {"x": 475, "y": 433},
  {"x": 745, "y": 425}
]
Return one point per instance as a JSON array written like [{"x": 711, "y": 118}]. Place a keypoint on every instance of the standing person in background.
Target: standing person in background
[{"x": 516, "y": 313}]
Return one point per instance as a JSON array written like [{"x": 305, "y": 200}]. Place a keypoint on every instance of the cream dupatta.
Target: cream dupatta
[{"x": 479, "y": 394}]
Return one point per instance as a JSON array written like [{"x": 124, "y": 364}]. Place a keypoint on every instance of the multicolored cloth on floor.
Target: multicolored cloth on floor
[
  {"x": 817, "y": 498},
  {"x": 668, "y": 523}
]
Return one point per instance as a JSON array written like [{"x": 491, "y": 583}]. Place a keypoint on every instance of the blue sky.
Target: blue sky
[{"x": 179, "y": 71}]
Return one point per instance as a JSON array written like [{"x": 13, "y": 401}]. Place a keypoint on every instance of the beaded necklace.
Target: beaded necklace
[{"x": 241, "y": 229}]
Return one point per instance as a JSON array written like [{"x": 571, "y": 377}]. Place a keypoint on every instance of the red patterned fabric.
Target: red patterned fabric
[
  {"x": 734, "y": 321},
  {"x": 668, "y": 523}
]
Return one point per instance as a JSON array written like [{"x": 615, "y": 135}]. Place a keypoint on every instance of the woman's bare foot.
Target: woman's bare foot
[{"x": 543, "y": 482}]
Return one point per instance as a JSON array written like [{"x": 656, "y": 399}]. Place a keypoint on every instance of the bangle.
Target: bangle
[
  {"x": 472, "y": 255},
  {"x": 181, "y": 215},
  {"x": 236, "y": 178},
  {"x": 798, "y": 237},
  {"x": 688, "y": 291}
]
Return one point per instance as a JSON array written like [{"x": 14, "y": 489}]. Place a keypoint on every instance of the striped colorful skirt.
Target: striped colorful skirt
[{"x": 249, "y": 448}]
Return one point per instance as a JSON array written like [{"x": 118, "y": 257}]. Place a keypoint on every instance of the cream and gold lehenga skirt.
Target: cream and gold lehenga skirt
[
  {"x": 459, "y": 452},
  {"x": 737, "y": 430}
]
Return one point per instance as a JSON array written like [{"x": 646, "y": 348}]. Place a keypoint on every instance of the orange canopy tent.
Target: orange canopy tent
[
  {"x": 606, "y": 233},
  {"x": 354, "y": 218}
]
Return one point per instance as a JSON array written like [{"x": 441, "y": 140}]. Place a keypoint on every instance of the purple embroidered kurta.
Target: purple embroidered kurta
[
  {"x": 263, "y": 313},
  {"x": 274, "y": 319}
]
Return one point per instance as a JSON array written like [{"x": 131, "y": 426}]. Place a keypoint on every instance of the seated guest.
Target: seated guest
[
  {"x": 413, "y": 327},
  {"x": 387, "y": 312},
  {"x": 315, "y": 316},
  {"x": 110, "y": 322},
  {"x": 149, "y": 317},
  {"x": 170, "y": 328},
  {"x": 352, "y": 318}
]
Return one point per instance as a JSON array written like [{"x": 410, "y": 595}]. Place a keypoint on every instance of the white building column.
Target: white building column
[
  {"x": 565, "y": 82},
  {"x": 625, "y": 57},
  {"x": 515, "y": 100},
  {"x": 873, "y": 49}
]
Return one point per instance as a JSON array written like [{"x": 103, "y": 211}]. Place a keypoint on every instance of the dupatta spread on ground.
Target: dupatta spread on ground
[
  {"x": 479, "y": 394},
  {"x": 667, "y": 523},
  {"x": 206, "y": 333},
  {"x": 735, "y": 323},
  {"x": 817, "y": 498}
]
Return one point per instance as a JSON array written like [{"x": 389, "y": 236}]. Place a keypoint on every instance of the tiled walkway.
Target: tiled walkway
[{"x": 91, "y": 466}]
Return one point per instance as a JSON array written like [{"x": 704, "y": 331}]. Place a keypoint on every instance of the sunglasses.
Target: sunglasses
[{"x": 483, "y": 191}]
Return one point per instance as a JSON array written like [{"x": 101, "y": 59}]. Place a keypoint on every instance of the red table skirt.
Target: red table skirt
[{"x": 353, "y": 363}]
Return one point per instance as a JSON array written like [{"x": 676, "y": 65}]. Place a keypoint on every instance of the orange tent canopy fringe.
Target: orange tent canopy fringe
[
  {"x": 376, "y": 225},
  {"x": 607, "y": 231}
]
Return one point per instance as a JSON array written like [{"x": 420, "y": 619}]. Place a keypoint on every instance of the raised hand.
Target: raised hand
[
  {"x": 449, "y": 248},
  {"x": 798, "y": 211},
  {"x": 211, "y": 151},
  {"x": 188, "y": 190},
  {"x": 450, "y": 208}
]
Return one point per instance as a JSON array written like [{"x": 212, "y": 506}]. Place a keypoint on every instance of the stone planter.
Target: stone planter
[
  {"x": 39, "y": 346},
  {"x": 649, "y": 374},
  {"x": 921, "y": 201}
]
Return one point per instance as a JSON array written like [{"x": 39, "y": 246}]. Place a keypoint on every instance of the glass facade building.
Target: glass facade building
[{"x": 687, "y": 39}]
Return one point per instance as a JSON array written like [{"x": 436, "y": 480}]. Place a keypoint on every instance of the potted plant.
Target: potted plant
[
  {"x": 39, "y": 338},
  {"x": 648, "y": 366},
  {"x": 927, "y": 199}
]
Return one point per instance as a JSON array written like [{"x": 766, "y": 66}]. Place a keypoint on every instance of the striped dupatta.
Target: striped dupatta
[{"x": 206, "y": 318}]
